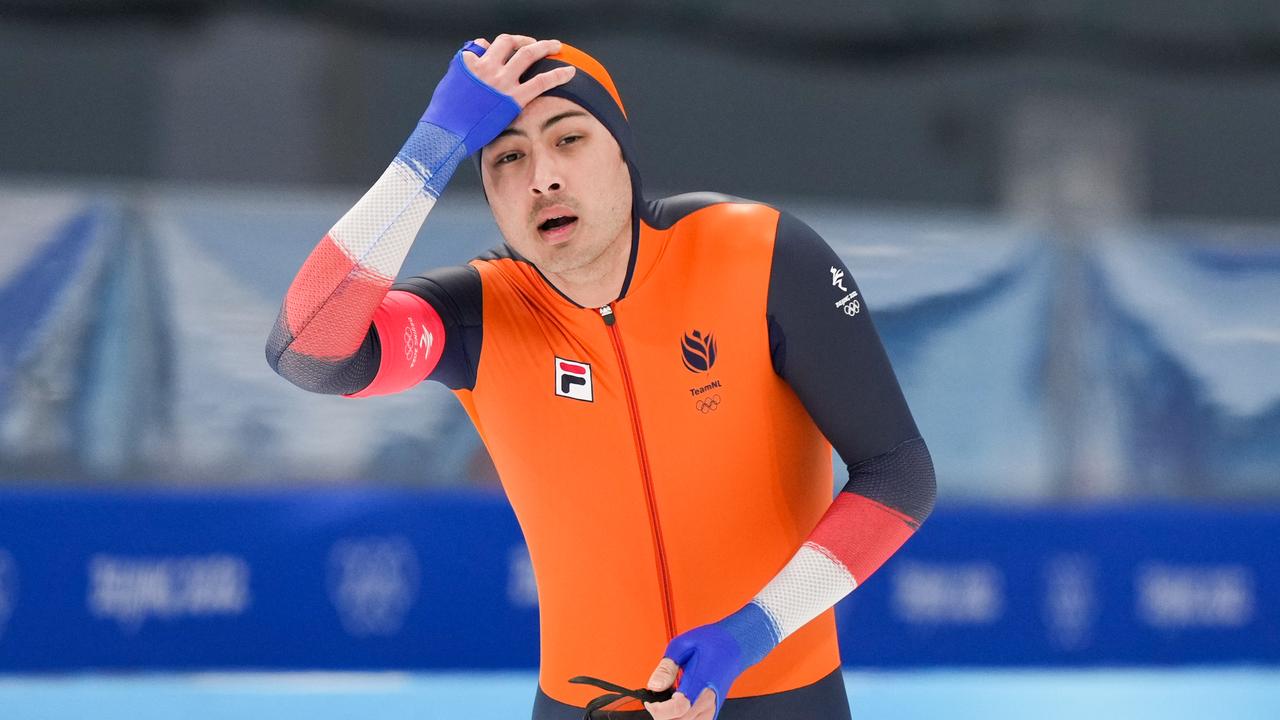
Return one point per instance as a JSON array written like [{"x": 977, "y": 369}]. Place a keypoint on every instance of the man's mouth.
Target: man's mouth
[
  {"x": 555, "y": 222},
  {"x": 557, "y": 229}
]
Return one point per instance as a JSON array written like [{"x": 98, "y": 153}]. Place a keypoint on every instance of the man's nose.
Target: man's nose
[{"x": 546, "y": 177}]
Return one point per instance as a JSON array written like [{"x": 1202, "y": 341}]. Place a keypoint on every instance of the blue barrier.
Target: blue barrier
[
  {"x": 1087, "y": 585},
  {"x": 364, "y": 578}
]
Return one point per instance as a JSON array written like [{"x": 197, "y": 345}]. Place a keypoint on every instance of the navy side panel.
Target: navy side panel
[{"x": 457, "y": 295}]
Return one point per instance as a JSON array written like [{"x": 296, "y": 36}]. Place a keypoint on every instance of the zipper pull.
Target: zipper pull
[{"x": 606, "y": 312}]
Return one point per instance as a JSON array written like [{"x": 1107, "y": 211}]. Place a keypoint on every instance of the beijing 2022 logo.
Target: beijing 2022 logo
[{"x": 698, "y": 351}]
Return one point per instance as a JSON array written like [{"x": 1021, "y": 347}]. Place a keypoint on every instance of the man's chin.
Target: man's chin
[
  {"x": 552, "y": 262},
  {"x": 562, "y": 259}
]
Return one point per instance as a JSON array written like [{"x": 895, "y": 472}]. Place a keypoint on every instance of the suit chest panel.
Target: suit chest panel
[{"x": 698, "y": 381}]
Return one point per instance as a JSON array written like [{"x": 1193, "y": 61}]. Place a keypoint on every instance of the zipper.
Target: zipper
[{"x": 664, "y": 575}]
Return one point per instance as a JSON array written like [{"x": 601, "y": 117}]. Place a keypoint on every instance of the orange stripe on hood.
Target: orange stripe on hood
[{"x": 592, "y": 67}]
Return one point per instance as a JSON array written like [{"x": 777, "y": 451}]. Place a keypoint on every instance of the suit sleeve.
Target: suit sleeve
[
  {"x": 447, "y": 304},
  {"x": 325, "y": 339},
  {"x": 426, "y": 327},
  {"x": 824, "y": 344},
  {"x": 343, "y": 328}
]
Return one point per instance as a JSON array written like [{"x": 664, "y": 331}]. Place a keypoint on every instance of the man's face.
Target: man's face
[{"x": 558, "y": 186}]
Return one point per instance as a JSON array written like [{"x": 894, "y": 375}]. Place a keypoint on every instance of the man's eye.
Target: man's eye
[
  {"x": 506, "y": 158},
  {"x": 570, "y": 139}
]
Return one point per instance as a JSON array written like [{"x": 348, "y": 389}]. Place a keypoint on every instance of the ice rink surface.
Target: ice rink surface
[{"x": 1110, "y": 694}]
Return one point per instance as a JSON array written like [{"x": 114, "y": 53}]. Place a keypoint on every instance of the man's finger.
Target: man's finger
[
  {"x": 517, "y": 42},
  {"x": 706, "y": 702},
  {"x": 471, "y": 57},
  {"x": 500, "y": 43},
  {"x": 526, "y": 55},
  {"x": 703, "y": 709},
  {"x": 541, "y": 83},
  {"x": 500, "y": 51},
  {"x": 664, "y": 675},
  {"x": 676, "y": 707}
]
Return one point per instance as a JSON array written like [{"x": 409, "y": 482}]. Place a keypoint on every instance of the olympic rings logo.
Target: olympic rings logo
[
  {"x": 710, "y": 404},
  {"x": 852, "y": 307},
  {"x": 411, "y": 343}
]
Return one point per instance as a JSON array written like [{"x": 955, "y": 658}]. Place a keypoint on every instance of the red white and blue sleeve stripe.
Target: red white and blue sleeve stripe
[
  {"x": 833, "y": 358},
  {"x": 852, "y": 540},
  {"x": 340, "y": 331}
]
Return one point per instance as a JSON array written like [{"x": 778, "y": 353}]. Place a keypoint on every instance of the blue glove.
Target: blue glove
[
  {"x": 714, "y": 655},
  {"x": 465, "y": 114},
  {"x": 467, "y": 107}
]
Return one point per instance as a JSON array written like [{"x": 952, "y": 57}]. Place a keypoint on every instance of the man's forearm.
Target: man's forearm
[
  {"x": 330, "y": 305},
  {"x": 885, "y": 501},
  {"x": 322, "y": 339}
]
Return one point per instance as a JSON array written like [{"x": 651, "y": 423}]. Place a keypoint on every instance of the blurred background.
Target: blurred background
[{"x": 1065, "y": 218}]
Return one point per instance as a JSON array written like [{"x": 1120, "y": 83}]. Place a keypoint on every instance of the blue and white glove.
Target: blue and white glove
[
  {"x": 467, "y": 107},
  {"x": 464, "y": 115},
  {"x": 714, "y": 655}
]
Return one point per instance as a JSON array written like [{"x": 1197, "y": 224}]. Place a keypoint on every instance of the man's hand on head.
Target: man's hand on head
[
  {"x": 481, "y": 93},
  {"x": 508, "y": 57}
]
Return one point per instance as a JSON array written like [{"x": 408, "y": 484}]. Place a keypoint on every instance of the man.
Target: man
[{"x": 659, "y": 384}]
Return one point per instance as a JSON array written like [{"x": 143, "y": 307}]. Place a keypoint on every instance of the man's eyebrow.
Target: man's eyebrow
[
  {"x": 549, "y": 122},
  {"x": 557, "y": 118}
]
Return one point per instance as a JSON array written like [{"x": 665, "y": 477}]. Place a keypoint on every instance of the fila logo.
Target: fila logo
[
  {"x": 573, "y": 380},
  {"x": 837, "y": 279}
]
